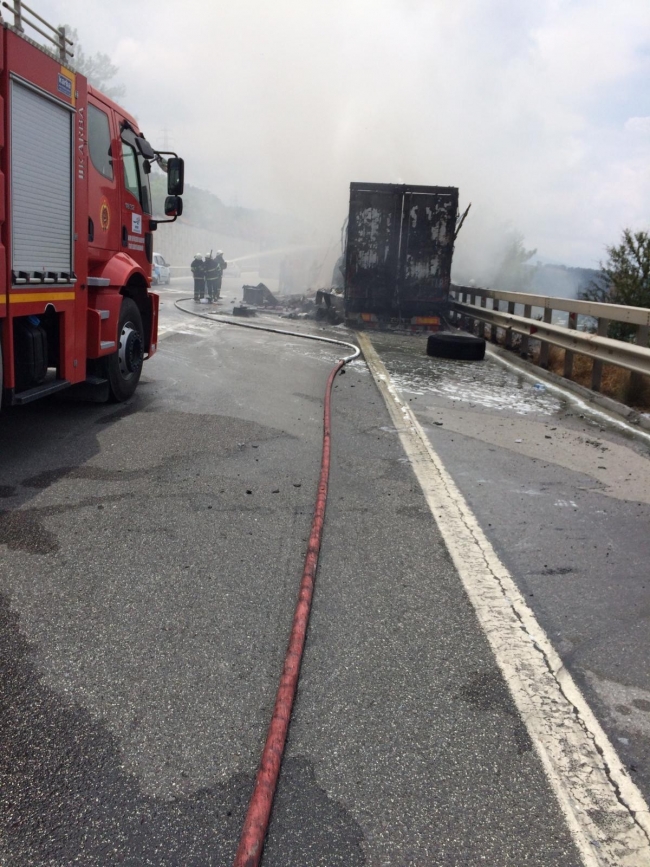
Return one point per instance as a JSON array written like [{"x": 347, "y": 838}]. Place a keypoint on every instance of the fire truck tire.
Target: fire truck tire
[
  {"x": 457, "y": 345},
  {"x": 125, "y": 366}
]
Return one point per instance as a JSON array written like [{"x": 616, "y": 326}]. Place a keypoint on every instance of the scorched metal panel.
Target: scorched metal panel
[
  {"x": 427, "y": 243},
  {"x": 372, "y": 249},
  {"x": 399, "y": 247}
]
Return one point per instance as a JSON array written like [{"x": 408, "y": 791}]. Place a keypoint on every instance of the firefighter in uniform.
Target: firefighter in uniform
[
  {"x": 198, "y": 272},
  {"x": 212, "y": 277},
  {"x": 221, "y": 265}
]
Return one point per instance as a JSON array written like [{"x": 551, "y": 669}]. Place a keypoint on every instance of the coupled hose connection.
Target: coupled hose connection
[{"x": 256, "y": 823}]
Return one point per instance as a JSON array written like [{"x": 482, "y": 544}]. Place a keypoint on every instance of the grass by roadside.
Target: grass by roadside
[{"x": 617, "y": 383}]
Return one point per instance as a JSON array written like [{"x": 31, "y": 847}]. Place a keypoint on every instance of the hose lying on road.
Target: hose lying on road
[
  {"x": 226, "y": 320},
  {"x": 251, "y": 842}
]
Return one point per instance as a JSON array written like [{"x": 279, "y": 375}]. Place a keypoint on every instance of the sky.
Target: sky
[{"x": 538, "y": 111}]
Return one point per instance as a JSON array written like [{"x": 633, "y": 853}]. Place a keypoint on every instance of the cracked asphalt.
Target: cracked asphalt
[{"x": 151, "y": 558}]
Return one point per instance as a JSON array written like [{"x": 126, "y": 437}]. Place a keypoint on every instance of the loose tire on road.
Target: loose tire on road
[
  {"x": 455, "y": 344},
  {"x": 123, "y": 368}
]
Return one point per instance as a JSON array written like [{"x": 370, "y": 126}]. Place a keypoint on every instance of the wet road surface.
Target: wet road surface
[{"x": 152, "y": 553}]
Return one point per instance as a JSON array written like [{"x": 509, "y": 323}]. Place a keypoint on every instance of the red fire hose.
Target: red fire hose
[
  {"x": 256, "y": 823},
  {"x": 251, "y": 842}
]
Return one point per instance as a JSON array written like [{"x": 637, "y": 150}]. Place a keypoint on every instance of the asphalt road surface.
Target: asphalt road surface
[
  {"x": 151, "y": 557},
  {"x": 564, "y": 497}
]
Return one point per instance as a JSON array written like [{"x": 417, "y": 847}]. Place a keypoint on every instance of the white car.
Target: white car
[{"x": 161, "y": 272}]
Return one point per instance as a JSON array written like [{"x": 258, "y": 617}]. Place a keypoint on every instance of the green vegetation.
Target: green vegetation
[{"x": 624, "y": 279}]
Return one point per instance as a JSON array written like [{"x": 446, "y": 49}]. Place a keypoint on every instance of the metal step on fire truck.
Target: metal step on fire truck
[{"x": 76, "y": 224}]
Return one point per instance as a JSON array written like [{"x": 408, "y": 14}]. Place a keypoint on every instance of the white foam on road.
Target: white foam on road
[
  {"x": 605, "y": 812},
  {"x": 497, "y": 389},
  {"x": 566, "y": 394}
]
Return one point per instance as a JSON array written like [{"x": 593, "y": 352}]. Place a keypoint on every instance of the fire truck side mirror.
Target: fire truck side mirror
[
  {"x": 145, "y": 148},
  {"x": 173, "y": 206},
  {"x": 175, "y": 176}
]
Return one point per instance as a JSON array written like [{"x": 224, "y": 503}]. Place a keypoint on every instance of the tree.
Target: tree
[
  {"x": 623, "y": 279},
  {"x": 97, "y": 68},
  {"x": 515, "y": 271}
]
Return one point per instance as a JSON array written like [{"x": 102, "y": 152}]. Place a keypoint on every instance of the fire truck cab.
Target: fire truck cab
[{"x": 76, "y": 226}]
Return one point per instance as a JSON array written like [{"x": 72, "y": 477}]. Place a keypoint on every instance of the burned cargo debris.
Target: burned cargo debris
[
  {"x": 329, "y": 306},
  {"x": 259, "y": 296},
  {"x": 400, "y": 241}
]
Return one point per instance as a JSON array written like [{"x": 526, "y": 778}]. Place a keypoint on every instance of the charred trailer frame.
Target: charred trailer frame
[{"x": 400, "y": 242}]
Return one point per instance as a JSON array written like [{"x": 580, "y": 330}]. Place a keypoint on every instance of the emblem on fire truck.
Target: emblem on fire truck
[{"x": 104, "y": 215}]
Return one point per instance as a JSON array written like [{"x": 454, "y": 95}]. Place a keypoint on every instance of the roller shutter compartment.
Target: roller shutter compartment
[{"x": 41, "y": 183}]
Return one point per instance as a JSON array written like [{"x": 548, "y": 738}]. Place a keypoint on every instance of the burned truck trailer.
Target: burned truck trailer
[{"x": 400, "y": 241}]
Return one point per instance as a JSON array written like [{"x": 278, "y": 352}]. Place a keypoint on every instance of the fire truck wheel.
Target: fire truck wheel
[
  {"x": 125, "y": 365},
  {"x": 456, "y": 344}
]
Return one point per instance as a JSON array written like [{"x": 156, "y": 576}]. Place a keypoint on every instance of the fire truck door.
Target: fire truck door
[
  {"x": 103, "y": 202},
  {"x": 136, "y": 204}
]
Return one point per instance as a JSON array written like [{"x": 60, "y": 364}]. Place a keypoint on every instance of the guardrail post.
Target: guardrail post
[
  {"x": 463, "y": 317},
  {"x": 544, "y": 348},
  {"x": 568, "y": 354},
  {"x": 472, "y": 301},
  {"x": 635, "y": 388},
  {"x": 456, "y": 313},
  {"x": 523, "y": 348},
  {"x": 597, "y": 369},
  {"x": 481, "y": 325},
  {"x": 493, "y": 328},
  {"x": 511, "y": 310}
]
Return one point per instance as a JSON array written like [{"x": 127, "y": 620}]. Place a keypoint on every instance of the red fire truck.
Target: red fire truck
[{"x": 76, "y": 242}]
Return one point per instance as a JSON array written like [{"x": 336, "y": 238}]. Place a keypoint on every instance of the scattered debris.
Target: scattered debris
[
  {"x": 329, "y": 305},
  {"x": 260, "y": 296}
]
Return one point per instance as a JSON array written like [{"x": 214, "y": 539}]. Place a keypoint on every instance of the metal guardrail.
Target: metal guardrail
[
  {"x": 472, "y": 303},
  {"x": 56, "y": 35}
]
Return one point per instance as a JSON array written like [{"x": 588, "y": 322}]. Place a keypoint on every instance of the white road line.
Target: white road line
[{"x": 605, "y": 812}]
